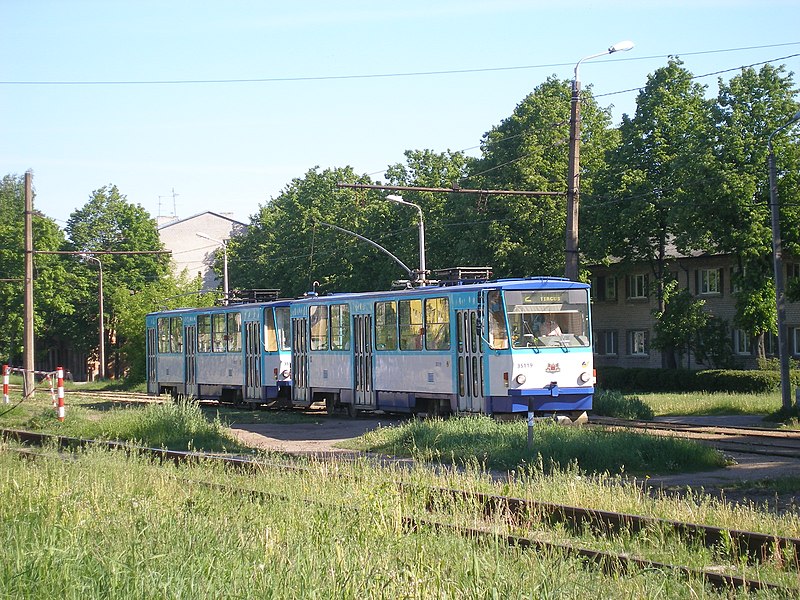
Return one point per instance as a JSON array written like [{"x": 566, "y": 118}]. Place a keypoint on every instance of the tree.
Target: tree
[
  {"x": 644, "y": 196},
  {"x": 108, "y": 222},
  {"x": 679, "y": 327},
  {"x": 735, "y": 188},
  {"x": 54, "y": 287},
  {"x": 529, "y": 151}
]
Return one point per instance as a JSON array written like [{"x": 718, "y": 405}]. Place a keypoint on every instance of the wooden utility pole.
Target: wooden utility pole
[{"x": 27, "y": 346}]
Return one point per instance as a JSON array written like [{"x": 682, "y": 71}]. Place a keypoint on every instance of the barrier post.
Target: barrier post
[
  {"x": 61, "y": 409},
  {"x": 5, "y": 384}
]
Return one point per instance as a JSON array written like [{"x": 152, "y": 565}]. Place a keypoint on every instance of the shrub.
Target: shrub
[
  {"x": 611, "y": 403},
  {"x": 683, "y": 380}
]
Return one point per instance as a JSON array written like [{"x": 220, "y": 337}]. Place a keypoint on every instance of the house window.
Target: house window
[
  {"x": 770, "y": 344},
  {"x": 606, "y": 343},
  {"x": 736, "y": 277},
  {"x": 637, "y": 286},
  {"x": 796, "y": 341},
  {"x": 637, "y": 342},
  {"x": 604, "y": 288},
  {"x": 742, "y": 343},
  {"x": 793, "y": 271},
  {"x": 709, "y": 282}
]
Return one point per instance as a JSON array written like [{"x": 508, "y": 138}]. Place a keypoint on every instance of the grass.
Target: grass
[
  {"x": 711, "y": 404},
  {"x": 503, "y": 446},
  {"x": 106, "y": 526}
]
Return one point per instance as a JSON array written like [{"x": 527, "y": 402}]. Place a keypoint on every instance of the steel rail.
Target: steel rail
[{"x": 609, "y": 562}]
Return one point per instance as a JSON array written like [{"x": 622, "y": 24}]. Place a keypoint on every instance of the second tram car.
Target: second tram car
[{"x": 238, "y": 353}]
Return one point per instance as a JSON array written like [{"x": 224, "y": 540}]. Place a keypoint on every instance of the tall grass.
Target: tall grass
[
  {"x": 106, "y": 527},
  {"x": 503, "y": 446},
  {"x": 711, "y": 403}
]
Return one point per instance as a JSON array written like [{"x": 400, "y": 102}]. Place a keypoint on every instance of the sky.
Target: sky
[{"x": 217, "y": 105}]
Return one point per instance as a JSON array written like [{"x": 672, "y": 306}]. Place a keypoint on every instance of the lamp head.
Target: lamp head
[
  {"x": 623, "y": 46},
  {"x": 395, "y": 198}
]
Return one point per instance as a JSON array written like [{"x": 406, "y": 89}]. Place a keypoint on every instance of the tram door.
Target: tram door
[
  {"x": 470, "y": 362},
  {"x": 300, "y": 391},
  {"x": 152, "y": 364},
  {"x": 364, "y": 391},
  {"x": 190, "y": 360},
  {"x": 252, "y": 360}
]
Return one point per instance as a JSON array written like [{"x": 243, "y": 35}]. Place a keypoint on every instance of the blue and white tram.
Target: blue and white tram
[
  {"x": 506, "y": 346},
  {"x": 238, "y": 353}
]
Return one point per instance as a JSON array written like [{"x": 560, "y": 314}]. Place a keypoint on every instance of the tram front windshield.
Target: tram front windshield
[{"x": 558, "y": 318}]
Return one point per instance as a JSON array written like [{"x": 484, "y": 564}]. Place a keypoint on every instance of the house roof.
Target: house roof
[{"x": 208, "y": 212}]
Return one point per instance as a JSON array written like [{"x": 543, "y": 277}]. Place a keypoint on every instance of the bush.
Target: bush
[
  {"x": 611, "y": 403},
  {"x": 683, "y": 380}
]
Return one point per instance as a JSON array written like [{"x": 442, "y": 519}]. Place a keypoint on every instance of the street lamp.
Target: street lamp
[
  {"x": 573, "y": 176},
  {"x": 777, "y": 259},
  {"x": 422, "y": 270},
  {"x": 224, "y": 245},
  {"x": 101, "y": 372}
]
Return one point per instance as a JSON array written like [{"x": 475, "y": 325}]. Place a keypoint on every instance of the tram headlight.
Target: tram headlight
[
  {"x": 584, "y": 377},
  {"x": 520, "y": 379}
]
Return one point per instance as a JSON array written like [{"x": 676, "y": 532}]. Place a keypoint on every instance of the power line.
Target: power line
[{"x": 376, "y": 75}]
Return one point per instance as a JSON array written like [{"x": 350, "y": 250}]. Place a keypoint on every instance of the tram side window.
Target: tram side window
[
  {"x": 283, "y": 327},
  {"x": 204, "y": 333},
  {"x": 319, "y": 327},
  {"x": 176, "y": 335},
  {"x": 340, "y": 327},
  {"x": 218, "y": 332},
  {"x": 170, "y": 335},
  {"x": 234, "y": 332},
  {"x": 498, "y": 334},
  {"x": 437, "y": 324},
  {"x": 163, "y": 334},
  {"x": 270, "y": 340},
  {"x": 386, "y": 325},
  {"x": 411, "y": 329}
]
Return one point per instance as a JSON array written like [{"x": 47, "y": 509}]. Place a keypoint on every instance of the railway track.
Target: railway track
[
  {"x": 755, "y": 546},
  {"x": 747, "y": 440}
]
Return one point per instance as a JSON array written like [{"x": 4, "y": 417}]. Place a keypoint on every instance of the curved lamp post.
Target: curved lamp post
[
  {"x": 422, "y": 269},
  {"x": 777, "y": 260},
  {"x": 573, "y": 176},
  {"x": 224, "y": 245},
  {"x": 101, "y": 371}
]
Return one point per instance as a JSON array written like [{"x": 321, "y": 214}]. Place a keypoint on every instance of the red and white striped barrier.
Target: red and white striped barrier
[
  {"x": 5, "y": 384},
  {"x": 61, "y": 409}
]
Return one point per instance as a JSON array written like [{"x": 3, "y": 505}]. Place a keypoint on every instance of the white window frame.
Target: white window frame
[
  {"x": 792, "y": 270},
  {"x": 710, "y": 282},
  {"x": 637, "y": 342},
  {"x": 637, "y": 286},
  {"x": 742, "y": 343},
  {"x": 796, "y": 341}
]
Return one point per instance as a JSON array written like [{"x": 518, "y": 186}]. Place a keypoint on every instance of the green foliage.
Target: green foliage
[
  {"x": 108, "y": 222},
  {"x": 612, "y": 403},
  {"x": 56, "y": 288},
  {"x": 677, "y": 326},
  {"x": 520, "y": 235}
]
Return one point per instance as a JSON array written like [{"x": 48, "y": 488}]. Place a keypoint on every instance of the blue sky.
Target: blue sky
[{"x": 336, "y": 89}]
